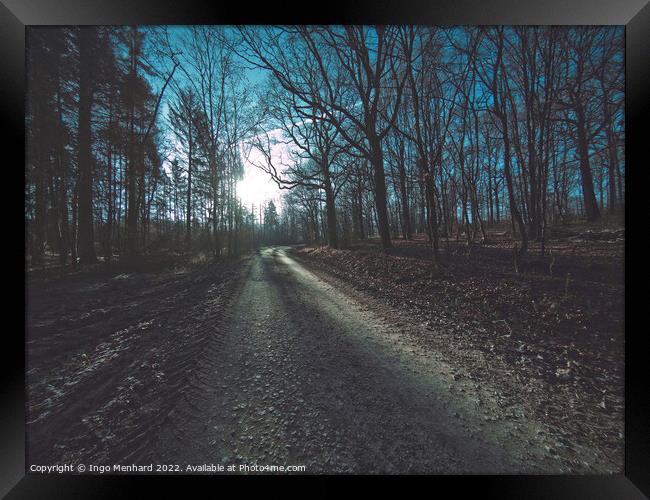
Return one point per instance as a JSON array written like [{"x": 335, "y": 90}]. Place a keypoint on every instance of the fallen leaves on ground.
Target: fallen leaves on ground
[{"x": 556, "y": 329}]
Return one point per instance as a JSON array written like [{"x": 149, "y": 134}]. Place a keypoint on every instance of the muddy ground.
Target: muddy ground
[
  {"x": 550, "y": 338},
  {"x": 268, "y": 360}
]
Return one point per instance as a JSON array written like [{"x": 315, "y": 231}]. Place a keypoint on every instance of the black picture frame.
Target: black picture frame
[{"x": 15, "y": 15}]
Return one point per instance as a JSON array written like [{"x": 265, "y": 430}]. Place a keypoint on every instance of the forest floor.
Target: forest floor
[
  {"x": 549, "y": 341},
  {"x": 110, "y": 350},
  {"x": 338, "y": 360}
]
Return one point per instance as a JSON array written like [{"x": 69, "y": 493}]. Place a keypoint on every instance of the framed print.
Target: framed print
[{"x": 369, "y": 239}]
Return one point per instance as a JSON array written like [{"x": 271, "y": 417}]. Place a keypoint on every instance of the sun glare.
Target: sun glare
[{"x": 257, "y": 186}]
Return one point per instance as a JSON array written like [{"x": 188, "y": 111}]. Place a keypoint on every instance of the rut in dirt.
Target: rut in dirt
[
  {"x": 260, "y": 365},
  {"x": 291, "y": 381}
]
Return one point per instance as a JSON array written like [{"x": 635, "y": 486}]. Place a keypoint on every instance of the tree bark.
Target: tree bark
[
  {"x": 86, "y": 241},
  {"x": 330, "y": 208},
  {"x": 380, "y": 192},
  {"x": 132, "y": 247},
  {"x": 406, "y": 212},
  {"x": 586, "y": 178},
  {"x": 188, "y": 222},
  {"x": 612, "y": 204}
]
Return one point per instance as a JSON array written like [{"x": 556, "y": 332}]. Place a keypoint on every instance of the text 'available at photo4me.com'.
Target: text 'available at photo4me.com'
[{"x": 162, "y": 468}]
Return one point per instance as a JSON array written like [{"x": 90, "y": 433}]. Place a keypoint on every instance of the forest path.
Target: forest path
[
  {"x": 305, "y": 376},
  {"x": 267, "y": 364}
]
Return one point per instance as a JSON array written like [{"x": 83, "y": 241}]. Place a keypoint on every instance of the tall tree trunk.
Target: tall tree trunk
[
  {"x": 39, "y": 224},
  {"x": 330, "y": 207},
  {"x": 514, "y": 209},
  {"x": 64, "y": 226},
  {"x": 612, "y": 203},
  {"x": 74, "y": 232},
  {"x": 86, "y": 242},
  {"x": 496, "y": 201},
  {"x": 406, "y": 212},
  {"x": 501, "y": 109},
  {"x": 586, "y": 178},
  {"x": 132, "y": 209},
  {"x": 215, "y": 220},
  {"x": 359, "y": 194},
  {"x": 108, "y": 251},
  {"x": 533, "y": 205},
  {"x": 109, "y": 214},
  {"x": 188, "y": 223},
  {"x": 380, "y": 191}
]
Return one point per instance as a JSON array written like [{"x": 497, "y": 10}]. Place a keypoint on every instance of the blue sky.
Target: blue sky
[{"x": 256, "y": 186}]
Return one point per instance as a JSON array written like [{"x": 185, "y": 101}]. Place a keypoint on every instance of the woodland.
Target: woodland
[
  {"x": 233, "y": 233},
  {"x": 138, "y": 138}
]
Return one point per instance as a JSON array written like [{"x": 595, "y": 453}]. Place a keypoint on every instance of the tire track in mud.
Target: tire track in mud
[
  {"x": 292, "y": 381},
  {"x": 261, "y": 364},
  {"x": 99, "y": 390}
]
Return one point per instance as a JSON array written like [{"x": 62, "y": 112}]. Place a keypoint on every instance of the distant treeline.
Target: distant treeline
[{"x": 137, "y": 137}]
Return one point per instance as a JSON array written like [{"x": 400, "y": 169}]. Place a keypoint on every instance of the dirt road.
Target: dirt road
[{"x": 283, "y": 369}]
